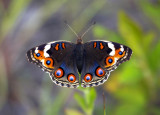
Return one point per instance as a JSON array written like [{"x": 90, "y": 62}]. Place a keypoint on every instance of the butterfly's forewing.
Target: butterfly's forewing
[
  {"x": 57, "y": 58},
  {"x": 100, "y": 58}
]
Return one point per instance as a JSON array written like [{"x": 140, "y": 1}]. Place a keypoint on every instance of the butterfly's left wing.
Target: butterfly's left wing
[
  {"x": 100, "y": 58},
  {"x": 57, "y": 58}
]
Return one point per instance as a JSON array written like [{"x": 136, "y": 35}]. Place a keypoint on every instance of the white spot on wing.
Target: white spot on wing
[
  {"x": 36, "y": 50},
  {"x": 43, "y": 62},
  {"x": 115, "y": 60},
  {"x": 111, "y": 46},
  {"x": 46, "y": 48},
  {"x": 122, "y": 48}
]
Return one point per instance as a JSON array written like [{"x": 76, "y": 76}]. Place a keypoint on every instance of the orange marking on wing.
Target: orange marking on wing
[
  {"x": 40, "y": 57},
  {"x": 48, "y": 65},
  {"x": 95, "y": 44},
  {"x": 98, "y": 70},
  {"x": 63, "y": 46},
  {"x": 88, "y": 77},
  {"x": 57, "y": 47},
  {"x": 59, "y": 73},
  {"x": 101, "y": 46},
  {"x": 110, "y": 63},
  {"x": 118, "y": 55},
  {"x": 71, "y": 78}
]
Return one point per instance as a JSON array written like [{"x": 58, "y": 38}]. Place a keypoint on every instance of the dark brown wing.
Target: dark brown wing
[
  {"x": 100, "y": 58},
  {"x": 57, "y": 58}
]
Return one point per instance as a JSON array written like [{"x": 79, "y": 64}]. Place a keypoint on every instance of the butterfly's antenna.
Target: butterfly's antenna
[
  {"x": 88, "y": 29},
  {"x": 71, "y": 28}
]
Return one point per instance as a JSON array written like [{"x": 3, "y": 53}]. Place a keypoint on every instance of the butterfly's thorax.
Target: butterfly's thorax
[{"x": 79, "y": 56}]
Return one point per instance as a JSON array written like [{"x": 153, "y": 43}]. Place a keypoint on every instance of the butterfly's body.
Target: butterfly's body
[
  {"x": 79, "y": 53},
  {"x": 64, "y": 61}
]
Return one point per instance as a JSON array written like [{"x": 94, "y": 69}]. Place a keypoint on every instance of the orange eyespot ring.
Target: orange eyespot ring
[
  {"x": 109, "y": 61},
  {"x": 100, "y": 72},
  {"x": 71, "y": 78},
  {"x": 59, "y": 73},
  {"x": 48, "y": 62},
  {"x": 119, "y": 53},
  {"x": 88, "y": 77},
  {"x": 39, "y": 55}
]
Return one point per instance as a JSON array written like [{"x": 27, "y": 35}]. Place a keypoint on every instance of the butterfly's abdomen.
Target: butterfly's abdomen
[{"x": 79, "y": 57}]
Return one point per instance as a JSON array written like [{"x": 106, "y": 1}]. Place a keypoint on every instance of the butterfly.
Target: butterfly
[{"x": 87, "y": 64}]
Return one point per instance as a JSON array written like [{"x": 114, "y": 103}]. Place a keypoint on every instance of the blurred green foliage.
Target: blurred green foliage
[
  {"x": 136, "y": 86},
  {"x": 133, "y": 88},
  {"x": 86, "y": 102},
  {"x": 151, "y": 10}
]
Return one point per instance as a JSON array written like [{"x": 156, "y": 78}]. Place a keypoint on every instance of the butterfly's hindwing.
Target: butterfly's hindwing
[
  {"x": 70, "y": 77},
  {"x": 100, "y": 58},
  {"x": 93, "y": 74}
]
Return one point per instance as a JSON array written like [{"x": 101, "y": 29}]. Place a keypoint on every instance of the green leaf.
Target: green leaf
[
  {"x": 91, "y": 96},
  {"x": 81, "y": 101},
  {"x": 86, "y": 102}
]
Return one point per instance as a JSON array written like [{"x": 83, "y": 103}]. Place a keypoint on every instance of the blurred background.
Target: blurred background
[{"x": 132, "y": 89}]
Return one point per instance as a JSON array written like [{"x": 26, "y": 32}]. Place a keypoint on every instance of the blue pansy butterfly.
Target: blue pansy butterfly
[{"x": 71, "y": 65}]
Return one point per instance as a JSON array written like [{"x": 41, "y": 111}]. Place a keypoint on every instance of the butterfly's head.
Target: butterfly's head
[{"x": 79, "y": 40}]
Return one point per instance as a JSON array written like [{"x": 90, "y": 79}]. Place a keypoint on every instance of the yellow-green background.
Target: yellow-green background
[{"x": 132, "y": 89}]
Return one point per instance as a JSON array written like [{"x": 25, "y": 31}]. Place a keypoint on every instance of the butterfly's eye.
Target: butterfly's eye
[
  {"x": 88, "y": 77},
  {"x": 48, "y": 62},
  {"x": 100, "y": 72},
  {"x": 38, "y": 54},
  {"x": 120, "y": 53},
  {"x": 71, "y": 78},
  {"x": 59, "y": 73}
]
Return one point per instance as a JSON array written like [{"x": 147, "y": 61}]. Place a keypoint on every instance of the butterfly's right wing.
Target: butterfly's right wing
[{"x": 100, "y": 58}]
